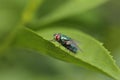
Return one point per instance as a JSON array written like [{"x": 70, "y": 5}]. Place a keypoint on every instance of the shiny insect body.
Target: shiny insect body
[{"x": 66, "y": 41}]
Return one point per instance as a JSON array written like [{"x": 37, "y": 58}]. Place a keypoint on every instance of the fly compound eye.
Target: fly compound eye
[{"x": 57, "y": 37}]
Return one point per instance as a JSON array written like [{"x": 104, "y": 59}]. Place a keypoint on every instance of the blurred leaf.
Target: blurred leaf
[
  {"x": 92, "y": 21},
  {"x": 10, "y": 16},
  {"x": 14, "y": 14},
  {"x": 111, "y": 39},
  {"x": 66, "y": 9},
  {"x": 93, "y": 56}
]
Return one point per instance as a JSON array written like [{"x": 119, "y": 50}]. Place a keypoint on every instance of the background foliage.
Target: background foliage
[{"x": 98, "y": 18}]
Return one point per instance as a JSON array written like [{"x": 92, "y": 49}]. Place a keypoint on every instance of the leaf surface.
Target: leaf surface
[{"x": 93, "y": 55}]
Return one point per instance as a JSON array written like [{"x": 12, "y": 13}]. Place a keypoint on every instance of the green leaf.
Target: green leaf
[
  {"x": 93, "y": 55},
  {"x": 66, "y": 9},
  {"x": 13, "y": 14},
  {"x": 10, "y": 16}
]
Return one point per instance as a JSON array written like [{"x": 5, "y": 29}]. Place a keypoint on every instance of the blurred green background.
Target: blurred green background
[{"x": 102, "y": 22}]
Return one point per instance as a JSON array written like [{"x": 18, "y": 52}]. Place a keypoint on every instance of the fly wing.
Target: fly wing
[{"x": 75, "y": 43}]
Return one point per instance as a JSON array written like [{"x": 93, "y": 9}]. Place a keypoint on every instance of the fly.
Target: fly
[{"x": 66, "y": 41}]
